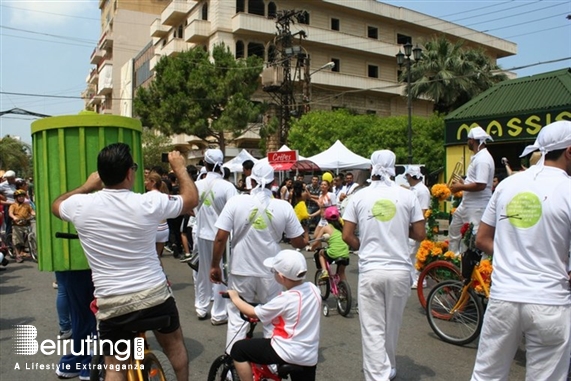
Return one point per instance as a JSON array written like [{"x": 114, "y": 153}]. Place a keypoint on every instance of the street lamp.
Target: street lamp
[
  {"x": 307, "y": 83},
  {"x": 405, "y": 59}
]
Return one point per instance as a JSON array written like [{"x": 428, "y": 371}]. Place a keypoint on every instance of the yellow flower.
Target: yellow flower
[
  {"x": 458, "y": 194},
  {"x": 418, "y": 266},
  {"x": 428, "y": 213},
  {"x": 436, "y": 252},
  {"x": 440, "y": 191},
  {"x": 450, "y": 255},
  {"x": 427, "y": 245}
]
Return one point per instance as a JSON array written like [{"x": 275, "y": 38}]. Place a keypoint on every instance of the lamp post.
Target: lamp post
[
  {"x": 405, "y": 59},
  {"x": 307, "y": 83}
]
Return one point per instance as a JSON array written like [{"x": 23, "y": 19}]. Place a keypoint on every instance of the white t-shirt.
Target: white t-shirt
[
  {"x": 481, "y": 170},
  {"x": 214, "y": 192},
  {"x": 117, "y": 230},
  {"x": 296, "y": 316},
  {"x": 384, "y": 214},
  {"x": 422, "y": 194},
  {"x": 532, "y": 217},
  {"x": 328, "y": 200},
  {"x": 8, "y": 190},
  {"x": 253, "y": 243}
]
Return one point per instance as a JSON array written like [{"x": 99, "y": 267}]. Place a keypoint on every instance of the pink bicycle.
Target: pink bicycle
[{"x": 334, "y": 285}]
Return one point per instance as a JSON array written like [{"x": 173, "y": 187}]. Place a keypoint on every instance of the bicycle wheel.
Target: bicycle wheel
[
  {"x": 32, "y": 245},
  {"x": 323, "y": 285},
  {"x": 433, "y": 274},
  {"x": 10, "y": 246},
  {"x": 461, "y": 326},
  {"x": 157, "y": 367},
  {"x": 344, "y": 300},
  {"x": 222, "y": 369},
  {"x": 97, "y": 370}
]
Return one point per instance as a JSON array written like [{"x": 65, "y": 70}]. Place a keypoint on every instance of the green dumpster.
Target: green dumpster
[{"x": 65, "y": 152}]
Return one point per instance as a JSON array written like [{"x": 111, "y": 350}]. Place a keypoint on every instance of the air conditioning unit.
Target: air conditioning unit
[{"x": 273, "y": 76}]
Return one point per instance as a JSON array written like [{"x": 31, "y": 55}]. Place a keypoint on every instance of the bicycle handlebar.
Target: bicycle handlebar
[{"x": 66, "y": 235}]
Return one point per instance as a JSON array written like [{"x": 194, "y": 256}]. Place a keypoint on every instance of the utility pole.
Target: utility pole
[{"x": 282, "y": 74}]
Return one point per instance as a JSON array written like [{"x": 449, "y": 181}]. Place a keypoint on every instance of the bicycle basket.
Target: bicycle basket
[{"x": 470, "y": 259}]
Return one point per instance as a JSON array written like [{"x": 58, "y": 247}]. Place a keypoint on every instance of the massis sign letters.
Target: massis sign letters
[{"x": 505, "y": 129}]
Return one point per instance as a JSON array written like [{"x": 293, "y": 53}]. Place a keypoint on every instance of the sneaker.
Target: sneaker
[
  {"x": 307, "y": 248},
  {"x": 64, "y": 335},
  {"x": 186, "y": 257},
  {"x": 324, "y": 275},
  {"x": 219, "y": 322},
  {"x": 393, "y": 374},
  {"x": 167, "y": 250},
  {"x": 201, "y": 316},
  {"x": 5, "y": 262},
  {"x": 54, "y": 285},
  {"x": 414, "y": 285}
]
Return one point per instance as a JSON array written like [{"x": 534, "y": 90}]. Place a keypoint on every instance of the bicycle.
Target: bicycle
[
  {"x": 222, "y": 369},
  {"x": 30, "y": 243},
  {"x": 146, "y": 366},
  {"x": 455, "y": 311},
  {"x": 335, "y": 285},
  {"x": 432, "y": 274}
]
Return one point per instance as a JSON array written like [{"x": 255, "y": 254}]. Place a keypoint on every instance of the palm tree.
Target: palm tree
[{"x": 451, "y": 75}]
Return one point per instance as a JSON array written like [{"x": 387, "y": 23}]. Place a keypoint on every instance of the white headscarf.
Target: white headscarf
[
  {"x": 216, "y": 157},
  {"x": 414, "y": 171},
  {"x": 478, "y": 133},
  {"x": 553, "y": 137},
  {"x": 383, "y": 165},
  {"x": 263, "y": 174}
]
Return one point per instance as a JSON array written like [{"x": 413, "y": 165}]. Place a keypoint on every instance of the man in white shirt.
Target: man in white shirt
[
  {"x": 527, "y": 227},
  {"x": 415, "y": 180},
  {"x": 116, "y": 228},
  {"x": 214, "y": 192},
  {"x": 387, "y": 215},
  {"x": 476, "y": 188},
  {"x": 257, "y": 222}
]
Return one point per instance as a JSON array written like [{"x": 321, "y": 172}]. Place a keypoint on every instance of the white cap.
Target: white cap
[
  {"x": 263, "y": 174},
  {"x": 9, "y": 174},
  {"x": 290, "y": 263},
  {"x": 414, "y": 171},
  {"x": 214, "y": 156}
]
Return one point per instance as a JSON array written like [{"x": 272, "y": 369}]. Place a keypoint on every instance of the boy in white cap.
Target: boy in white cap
[
  {"x": 213, "y": 192},
  {"x": 476, "y": 188},
  {"x": 387, "y": 215},
  {"x": 527, "y": 227},
  {"x": 414, "y": 178},
  {"x": 295, "y": 316},
  {"x": 257, "y": 222},
  {"x": 7, "y": 189}
]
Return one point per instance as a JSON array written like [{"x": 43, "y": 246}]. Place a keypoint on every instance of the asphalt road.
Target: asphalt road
[{"x": 27, "y": 297}]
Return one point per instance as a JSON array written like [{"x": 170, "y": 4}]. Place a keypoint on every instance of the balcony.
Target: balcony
[
  {"x": 158, "y": 30},
  {"x": 317, "y": 37},
  {"x": 105, "y": 82},
  {"x": 96, "y": 100},
  {"x": 93, "y": 77},
  {"x": 173, "y": 47},
  {"x": 197, "y": 31},
  {"x": 248, "y": 24},
  {"x": 176, "y": 12},
  {"x": 325, "y": 78},
  {"x": 97, "y": 56},
  {"x": 106, "y": 40}
]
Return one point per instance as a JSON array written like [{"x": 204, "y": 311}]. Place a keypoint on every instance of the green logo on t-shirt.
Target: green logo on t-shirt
[
  {"x": 524, "y": 210},
  {"x": 384, "y": 210},
  {"x": 258, "y": 221}
]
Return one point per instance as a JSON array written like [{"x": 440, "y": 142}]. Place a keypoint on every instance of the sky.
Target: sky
[{"x": 45, "y": 46}]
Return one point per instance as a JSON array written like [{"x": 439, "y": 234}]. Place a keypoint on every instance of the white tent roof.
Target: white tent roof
[
  {"x": 339, "y": 157},
  {"x": 235, "y": 165}
]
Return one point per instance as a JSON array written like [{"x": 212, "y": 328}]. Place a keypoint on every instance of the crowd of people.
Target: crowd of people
[{"x": 235, "y": 232}]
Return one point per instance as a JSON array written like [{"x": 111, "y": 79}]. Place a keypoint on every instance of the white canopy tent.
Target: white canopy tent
[
  {"x": 338, "y": 157},
  {"x": 235, "y": 165}
]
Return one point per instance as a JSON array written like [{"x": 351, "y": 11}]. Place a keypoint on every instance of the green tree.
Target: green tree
[
  {"x": 318, "y": 130},
  {"x": 16, "y": 156},
  {"x": 195, "y": 94},
  {"x": 450, "y": 74},
  {"x": 154, "y": 144}
]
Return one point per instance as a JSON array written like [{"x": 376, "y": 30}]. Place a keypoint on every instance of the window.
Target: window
[
  {"x": 256, "y": 7},
  {"x": 337, "y": 63},
  {"x": 240, "y": 49},
  {"x": 402, "y": 39},
  {"x": 373, "y": 71},
  {"x": 256, "y": 49},
  {"x": 205, "y": 11},
  {"x": 334, "y": 24},
  {"x": 303, "y": 18},
  {"x": 178, "y": 32},
  {"x": 272, "y": 9},
  {"x": 240, "y": 6},
  {"x": 372, "y": 32}
]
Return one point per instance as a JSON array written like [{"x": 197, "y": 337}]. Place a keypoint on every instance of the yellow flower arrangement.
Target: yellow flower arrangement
[
  {"x": 427, "y": 214},
  {"x": 485, "y": 267},
  {"x": 430, "y": 251},
  {"x": 440, "y": 191},
  {"x": 458, "y": 194}
]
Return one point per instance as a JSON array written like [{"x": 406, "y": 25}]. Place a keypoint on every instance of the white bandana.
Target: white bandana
[
  {"x": 478, "y": 133},
  {"x": 383, "y": 165},
  {"x": 553, "y": 137},
  {"x": 263, "y": 174}
]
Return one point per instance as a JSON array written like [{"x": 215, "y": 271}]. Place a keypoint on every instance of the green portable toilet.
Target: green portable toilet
[{"x": 65, "y": 150}]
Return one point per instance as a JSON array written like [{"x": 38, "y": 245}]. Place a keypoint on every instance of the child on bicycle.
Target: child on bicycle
[
  {"x": 21, "y": 213},
  {"x": 295, "y": 315},
  {"x": 337, "y": 249}
]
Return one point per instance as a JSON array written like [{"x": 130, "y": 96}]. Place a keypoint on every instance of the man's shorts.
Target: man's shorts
[
  {"x": 18, "y": 233},
  {"x": 112, "y": 329}
]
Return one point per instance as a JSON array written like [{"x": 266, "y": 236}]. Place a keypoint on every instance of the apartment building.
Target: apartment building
[{"x": 361, "y": 37}]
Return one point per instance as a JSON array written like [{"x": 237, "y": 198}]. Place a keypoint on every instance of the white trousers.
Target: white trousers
[
  {"x": 413, "y": 245},
  {"x": 251, "y": 289},
  {"x": 547, "y": 331},
  {"x": 461, "y": 216},
  {"x": 204, "y": 289},
  {"x": 382, "y": 298}
]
